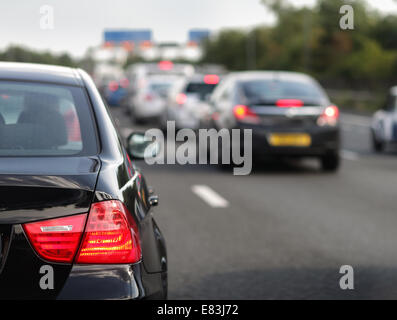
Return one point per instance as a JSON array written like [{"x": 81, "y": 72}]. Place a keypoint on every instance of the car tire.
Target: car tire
[
  {"x": 378, "y": 146},
  {"x": 330, "y": 162}
]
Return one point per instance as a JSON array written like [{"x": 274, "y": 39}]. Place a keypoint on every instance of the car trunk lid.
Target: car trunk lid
[{"x": 34, "y": 189}]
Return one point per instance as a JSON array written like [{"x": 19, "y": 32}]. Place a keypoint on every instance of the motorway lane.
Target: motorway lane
[{"x": 287, "y": 228}]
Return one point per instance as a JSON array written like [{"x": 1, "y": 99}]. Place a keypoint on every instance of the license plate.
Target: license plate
[{"x": 290, "y": 140}]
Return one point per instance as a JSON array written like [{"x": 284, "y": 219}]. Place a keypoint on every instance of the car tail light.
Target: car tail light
[
  {"x": 243, "y": 113},
  {"x": 165, "y": 65},
  {"x": 289, "y": 103},
  {"x": 149, "y": 97},
  {"x": 181, "y": 98},
  {"x": 329, "y": 116},
  {"x": 113, "y": 86},
  {"x": 56, "y": 240},
  {"x": 211, "y": 79},
  {"x": 111, "y": 236}
]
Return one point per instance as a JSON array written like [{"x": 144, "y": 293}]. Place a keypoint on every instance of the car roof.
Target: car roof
[
  {"x": 393, "y": 91},
  {"x": 271, "y": 75},
  {"x": 163, "y": 78},
  {"x": 39, "y": 72}
]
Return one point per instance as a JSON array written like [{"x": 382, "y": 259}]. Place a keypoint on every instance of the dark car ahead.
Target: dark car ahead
[
  {"x": 75, "y": 214},
  {"x": 289, "y": 114}
]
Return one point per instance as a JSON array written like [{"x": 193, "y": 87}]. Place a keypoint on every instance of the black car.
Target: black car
[
  {"x": 75, "y": 214},
  {"x": 289, "y": 114}
]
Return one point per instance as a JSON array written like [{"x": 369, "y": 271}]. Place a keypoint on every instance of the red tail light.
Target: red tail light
[
  {"x": 211, "y": 79},
  {"x": 329, "y": 116},
  {"x": 149, "y": 97},
  {"x": 111, "y": 236},
  {"x": 113, "y": 86},
  {"x": 165, "y": 65},
  {"x": 243, "y": 113},
  {"x": 289, "y": 103},
  {"x": 56, "y": 239},
  {"x": 181, "y": 98}
]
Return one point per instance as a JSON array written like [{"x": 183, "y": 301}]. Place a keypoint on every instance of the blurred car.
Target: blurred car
[
  {"x": 76, "y": 214},
  {"x": 187, "y": 102},
  {"x": 115, "y": 91},
  {"x": 149, "y": 101},
  {"x": 289, "y": 114},
  {"x": 104, "y": 73},
  {"x": 139, "y": 73},
  {"x": 384, "y": 123}
]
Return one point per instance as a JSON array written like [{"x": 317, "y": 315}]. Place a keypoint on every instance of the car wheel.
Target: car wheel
[
  {"x": 330, "y": 162},
  {"x": 377, "y": 145}
]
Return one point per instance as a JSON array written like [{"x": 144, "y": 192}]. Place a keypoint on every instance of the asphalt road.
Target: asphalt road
[{"x": 284, "y": 231}]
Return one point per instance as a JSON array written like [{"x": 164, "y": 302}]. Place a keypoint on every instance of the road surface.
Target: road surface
[{"x": 284, "y": 231}]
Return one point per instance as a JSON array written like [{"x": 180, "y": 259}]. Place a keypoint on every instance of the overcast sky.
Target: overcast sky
[{"x": 78, "y": 24}]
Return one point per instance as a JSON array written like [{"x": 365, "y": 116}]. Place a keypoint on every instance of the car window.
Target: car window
[
  {"x": 200, "y": 88},
  {"x": 161, "y": 88},
  {"x": 270, "y": 90},
  {"x": 45, "y": 120}
]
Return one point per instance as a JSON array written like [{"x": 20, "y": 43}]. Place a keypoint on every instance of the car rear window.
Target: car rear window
[
  {"x": 39, "y": 119},
  {"x": 160, "y": 88},
  {"x": 263, "y": 91},
  {"x": 202, "y": 89}
]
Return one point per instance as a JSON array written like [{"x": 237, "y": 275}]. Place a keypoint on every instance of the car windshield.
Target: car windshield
[
  {"x": 201, "y": 89},
  {"x": 160, "y": 88},
  {"x": 44, "y": 120},
  {"x": 267, "y": 91}
]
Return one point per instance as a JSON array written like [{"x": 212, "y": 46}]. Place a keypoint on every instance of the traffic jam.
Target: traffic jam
[{"x": 254, "y": 159}]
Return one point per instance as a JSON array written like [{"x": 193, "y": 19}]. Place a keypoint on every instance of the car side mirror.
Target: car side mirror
[{"x": 138, "y": 147}]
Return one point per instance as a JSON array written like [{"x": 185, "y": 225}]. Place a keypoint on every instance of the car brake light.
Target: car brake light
[
  {"x": 165, "y": 65},
  {"x": 149, "y": 97},
  {"x": 289, "y": 103},
  {"x": 111, "y": 236},
  {"x": 58, "y": 239},
  {"x": 243, "y": 113},
  {"x": 329, "y": 116},
  {"x": 211, "y": 79},
  {"x": 181, "y": 98},
  {"x": 113, "y": 86}
]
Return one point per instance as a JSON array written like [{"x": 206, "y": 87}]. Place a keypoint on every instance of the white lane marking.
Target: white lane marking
[
  {"x": 210, "y": 196},
  {"x": 349, "y": 155}
]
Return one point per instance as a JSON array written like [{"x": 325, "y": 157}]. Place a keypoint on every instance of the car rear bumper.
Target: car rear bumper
[
  {"x": 111, "y": 282},
  {"x": 149, "y": 110},
  {"x": 324, "y": 140},
  {"x": 21, "y": 275}
]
